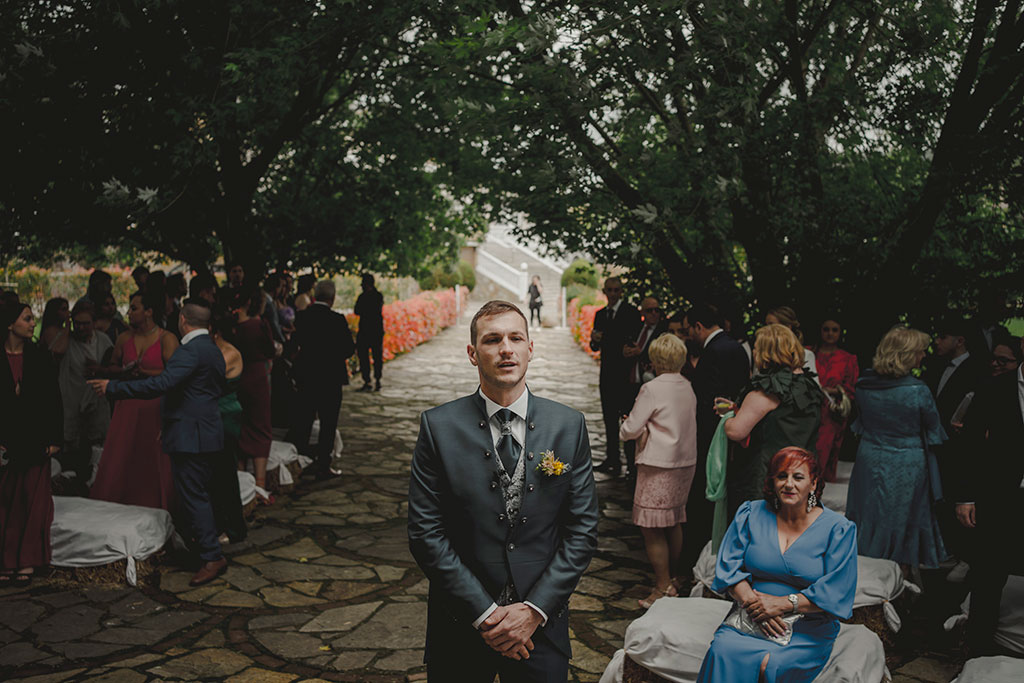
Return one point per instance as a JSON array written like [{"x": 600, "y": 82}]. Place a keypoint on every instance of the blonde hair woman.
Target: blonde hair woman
[
  {"x": 785, "y": 315},
  {"x": 780, "y": 407},
  {"x": 894, "y": 484},
  {"x": 664, "y": 423}
]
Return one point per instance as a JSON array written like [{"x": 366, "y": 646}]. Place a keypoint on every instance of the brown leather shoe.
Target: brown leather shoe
[{"x": 208, "y": 572}]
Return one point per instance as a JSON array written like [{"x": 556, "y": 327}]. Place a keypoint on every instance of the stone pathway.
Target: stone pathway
[{"x": 324, "y": 588}]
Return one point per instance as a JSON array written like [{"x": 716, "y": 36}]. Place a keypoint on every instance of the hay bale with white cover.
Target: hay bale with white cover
[
  {"x": 90, "y": 534},
  {"x": 1000, "y": 669},
  {"x": 669, "y": 642},
  {"x": 1010, "y": 627},
  {"x": 879, "y": 583}
]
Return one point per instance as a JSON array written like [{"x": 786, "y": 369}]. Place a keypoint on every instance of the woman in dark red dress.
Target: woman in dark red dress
[
  {"x": 134, "y": 469},
  {"x": 253, "y": 338},
  {"x": 837, "y": 372},
  {"x": 31, "y": 431}
]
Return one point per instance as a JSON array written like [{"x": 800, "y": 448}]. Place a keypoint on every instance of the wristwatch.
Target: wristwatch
[{"x": 794, "y": 600}]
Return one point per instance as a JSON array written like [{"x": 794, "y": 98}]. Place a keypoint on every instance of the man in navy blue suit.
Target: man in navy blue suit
[
  {"x": 191, "y": 384},
  {"x": 502, "y": 516}
]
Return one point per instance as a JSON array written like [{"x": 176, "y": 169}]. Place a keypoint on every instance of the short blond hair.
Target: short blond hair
[
  {"x": 777, "y": 345},
  {"x": 896, "y": 354},
  {"x": 667, "y": 353}
]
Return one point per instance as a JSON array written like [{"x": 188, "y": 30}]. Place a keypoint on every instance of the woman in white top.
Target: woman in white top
[
  {"x": 784, "y": 315},
  {"x": 664, "y": 423}
]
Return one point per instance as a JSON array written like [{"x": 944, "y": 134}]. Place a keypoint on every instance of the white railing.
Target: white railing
[
  {"x": 557, "y": 265},
  {"x": 493, "y": 268}
]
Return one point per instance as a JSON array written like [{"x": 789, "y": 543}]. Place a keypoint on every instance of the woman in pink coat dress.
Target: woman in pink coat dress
[{"x": 664, "y": 423}]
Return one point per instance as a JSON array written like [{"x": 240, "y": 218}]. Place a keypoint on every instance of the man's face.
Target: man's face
[
  {"x": 502, "y": 352},
  {"x": 613, "y": 291},
  {"x": 83, "y": 323},
  {"x": 677, "y": 328},
  {"x": 209, "y": 294},
  {"x": 945, "y": 345},
  {"x": 236, "y": 275},
  {"x": 650, "y": 311}
]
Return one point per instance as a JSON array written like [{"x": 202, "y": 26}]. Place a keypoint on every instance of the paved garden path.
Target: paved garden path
[{"x": 324, "y": 587}]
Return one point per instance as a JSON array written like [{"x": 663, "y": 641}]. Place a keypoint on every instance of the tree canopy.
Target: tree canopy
[
  {"x": 271, "y": 132},
  {"x": 825, "y": 154},
  {"x": 828, "y": 154}
]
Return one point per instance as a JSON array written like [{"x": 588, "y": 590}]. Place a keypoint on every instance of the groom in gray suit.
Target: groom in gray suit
[{"x": 502, "y": 516}]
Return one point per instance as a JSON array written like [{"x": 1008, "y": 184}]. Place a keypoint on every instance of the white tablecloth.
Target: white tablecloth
[{"x": 992, "y": 670}]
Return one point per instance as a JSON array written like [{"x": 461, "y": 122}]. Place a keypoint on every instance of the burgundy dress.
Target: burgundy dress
[
  {"x": 255, "y": 342},
  {"x": 31, "y": 419},
  {"x": 134, "y": 469},
  {"x": 838, "y": 368}
]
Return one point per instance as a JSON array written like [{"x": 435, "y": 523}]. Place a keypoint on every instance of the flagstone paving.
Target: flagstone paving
[{"x": 324, "y": 587}]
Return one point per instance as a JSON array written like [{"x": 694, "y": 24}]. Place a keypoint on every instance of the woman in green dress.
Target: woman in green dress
[
  {"x": 781, "y": 407},
  {"x": 227, "y": 503}
]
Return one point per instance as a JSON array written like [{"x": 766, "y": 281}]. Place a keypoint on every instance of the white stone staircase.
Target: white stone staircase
[{"x": 504, "y": 269}]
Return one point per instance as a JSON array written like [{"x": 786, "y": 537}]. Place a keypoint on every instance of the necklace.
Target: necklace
[{"x": 148, "y": 332}]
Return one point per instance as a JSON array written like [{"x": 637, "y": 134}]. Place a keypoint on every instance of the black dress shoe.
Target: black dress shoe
[
  {"x": 366, "y": 387},
  {"x": 611, "y": 468}
]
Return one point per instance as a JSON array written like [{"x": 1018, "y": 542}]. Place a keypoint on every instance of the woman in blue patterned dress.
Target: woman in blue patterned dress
[
  {"x": 784, "y": 555},
  {"x": 895, "y": 482}
]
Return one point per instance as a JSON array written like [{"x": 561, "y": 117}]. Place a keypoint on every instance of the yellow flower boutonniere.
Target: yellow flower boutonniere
[{"x": 552, "y": 466}]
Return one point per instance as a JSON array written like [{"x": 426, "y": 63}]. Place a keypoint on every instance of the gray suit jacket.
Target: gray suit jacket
[{"x": 458, "y": 530}]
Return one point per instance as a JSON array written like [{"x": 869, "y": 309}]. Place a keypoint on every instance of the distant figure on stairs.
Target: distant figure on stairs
[{"x": 535, "y": 293}]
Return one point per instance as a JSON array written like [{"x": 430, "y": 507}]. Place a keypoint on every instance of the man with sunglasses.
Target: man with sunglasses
[{"x": 614, "y": 325}]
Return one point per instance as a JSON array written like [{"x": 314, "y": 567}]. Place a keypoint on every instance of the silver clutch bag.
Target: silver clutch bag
[{"x": 738, "y": 619}]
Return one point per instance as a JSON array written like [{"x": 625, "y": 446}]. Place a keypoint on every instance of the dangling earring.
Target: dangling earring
[
  {"x": 776, "y": 503},
  {"x": 812, "y": 500}
]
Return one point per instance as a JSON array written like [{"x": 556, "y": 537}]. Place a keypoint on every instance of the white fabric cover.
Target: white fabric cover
[
  {"x": 246, "y": 487},
  {"x": 834, "y": 495},
  {"x": 673, "y": 637},
  {"x": 991, "y": 670},
  {"x": 1010, "y": 629},
  {"x": 878, "y": 583},
  {"x": 89, "y": 533},
  {"x": 314, "y": 437}
]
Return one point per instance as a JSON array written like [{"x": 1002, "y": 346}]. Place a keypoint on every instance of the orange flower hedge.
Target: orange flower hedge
[
  {"x": 410, "y": 322},
  {"x": 581, "y": 323}
]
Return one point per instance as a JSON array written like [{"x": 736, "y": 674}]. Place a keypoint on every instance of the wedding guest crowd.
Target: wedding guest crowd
[
  {"x": 929, "y": 454},
  {"x": 119, "y": 393}
]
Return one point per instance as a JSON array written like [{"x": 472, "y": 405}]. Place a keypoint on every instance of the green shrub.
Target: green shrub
[
  {"x": 588, "y": 296},
  {"x": 446, "y": 277},
  {"x": 580, "y": 272}
]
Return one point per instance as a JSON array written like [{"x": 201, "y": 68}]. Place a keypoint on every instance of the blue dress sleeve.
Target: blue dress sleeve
[
  {"x": 931, "y": 423},
  {"x": 729, "y": 569},
  {"x": 835, "y": 590}
]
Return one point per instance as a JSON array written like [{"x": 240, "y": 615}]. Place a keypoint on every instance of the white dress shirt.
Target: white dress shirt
[
  {"x": 948, "y": 372},
  {"x": 711, "y": 336},
  {"x": 192, "y": 335},
  {"x": 518, "y": 408}
]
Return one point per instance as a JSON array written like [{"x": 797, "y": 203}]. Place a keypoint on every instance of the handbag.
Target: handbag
[{"x": 738, "y": 619}]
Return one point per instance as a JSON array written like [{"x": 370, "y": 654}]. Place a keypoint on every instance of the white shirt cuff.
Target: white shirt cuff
[
  {"x": 538, "y": 610},
  {"x": 494, "y": 606},
  {"x": 482, "y": 617}
]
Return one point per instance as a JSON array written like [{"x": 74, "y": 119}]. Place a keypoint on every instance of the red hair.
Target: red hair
[{"x": 787, "y": 458}]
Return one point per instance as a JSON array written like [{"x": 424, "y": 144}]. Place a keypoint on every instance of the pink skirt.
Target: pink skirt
[{"x": 660, "y": 497}]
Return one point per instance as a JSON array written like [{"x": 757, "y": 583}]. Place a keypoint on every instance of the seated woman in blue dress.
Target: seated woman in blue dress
[{"x": 781, "y": 556}]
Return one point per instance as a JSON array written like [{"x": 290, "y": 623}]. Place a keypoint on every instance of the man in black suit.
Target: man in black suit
[
  {"x": 722, "y": 371},
  {"x": 635, "y": 352},
  {"x": 322, "y": 343},
  {"x": 370, "y": 309},
  {"x": 953, "y": 374},
  {"x": 613, "y": 325},
  {"x": 990, "y": 500}
]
